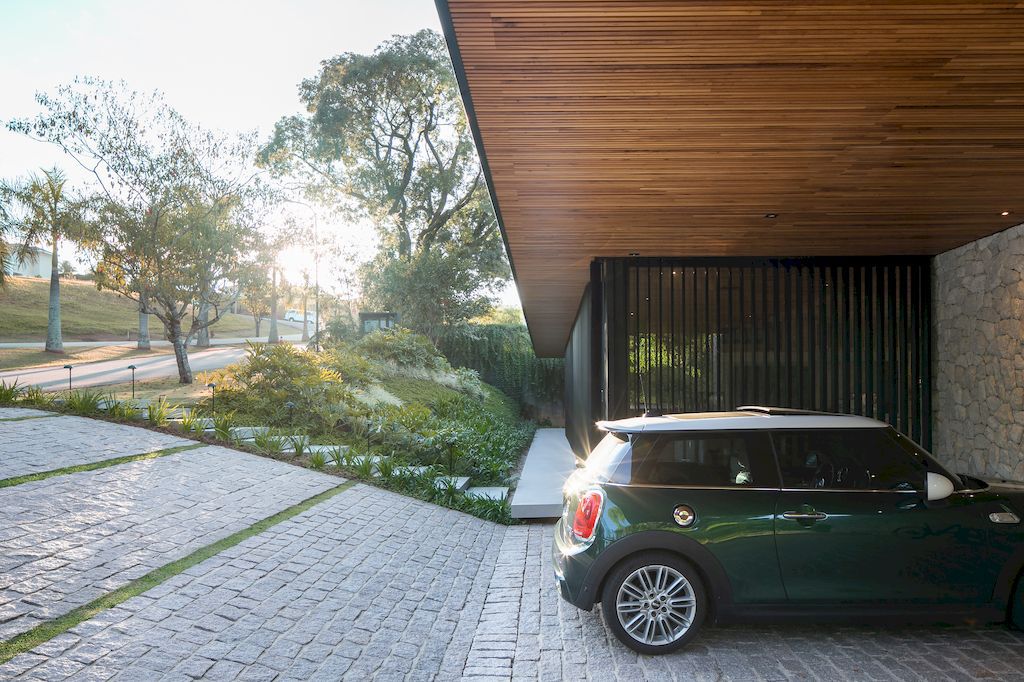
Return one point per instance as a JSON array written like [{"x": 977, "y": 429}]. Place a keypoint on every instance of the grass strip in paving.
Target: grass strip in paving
[
  {"x": 44, "y": 632},
  {"x": 27, "y": 417},
  {"x": 91, "y": 466}
]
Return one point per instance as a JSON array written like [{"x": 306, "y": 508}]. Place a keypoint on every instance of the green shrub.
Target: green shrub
[
  {"x": 300, "y": 444},
  {"x": 272, "y": 376},
  {"x": 503, "y": 355},
  {"x": 191, "y": 421},
  {"x": 222, "y": 424},
  {"x": 268, "y": 442},
  {"x": 121, "y": 410},
  {"x": 34, "y": 395},
  {"x": 157, "y": 413},
  {"x": 338, "y": 456},
  {"x": 84, "y": 402},
  {"x": 317, "y": 461},
  {"x": 9, "y": 393},
  {"x": 403, "y": 348}
]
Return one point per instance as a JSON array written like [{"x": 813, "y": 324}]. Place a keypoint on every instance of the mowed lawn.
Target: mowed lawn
[{"x": 90, "y": 315}]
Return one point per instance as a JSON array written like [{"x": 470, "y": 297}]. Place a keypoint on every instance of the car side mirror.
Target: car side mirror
[{"x": 938, "y": 487}]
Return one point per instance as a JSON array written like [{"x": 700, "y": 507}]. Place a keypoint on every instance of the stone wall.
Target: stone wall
[{"x": 978, "y": 377}]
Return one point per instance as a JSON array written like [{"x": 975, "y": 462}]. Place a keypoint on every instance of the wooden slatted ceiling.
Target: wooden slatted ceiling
[{"x": 671, "y": 128}]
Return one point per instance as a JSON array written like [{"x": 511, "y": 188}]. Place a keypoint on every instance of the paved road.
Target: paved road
[
  {"x": 116, "y": 371},
  {"x": 366, "y": 585},
  {"x": 159, "y": 343}
]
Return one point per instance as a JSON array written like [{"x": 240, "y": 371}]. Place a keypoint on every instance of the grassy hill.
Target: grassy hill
[{"x": 89, "y": 315}]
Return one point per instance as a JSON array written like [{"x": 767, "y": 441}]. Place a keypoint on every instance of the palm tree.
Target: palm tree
[{"x": 48, "y": 213}]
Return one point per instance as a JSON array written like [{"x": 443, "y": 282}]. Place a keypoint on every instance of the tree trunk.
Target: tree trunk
[
  {"x": 305, "y": 320},
  {"x": 203, "y": 336},
  {"x": 257, "y": 319},
  {"x": 273, "y": 337},
  {"x": 143, "y": 343},
  {"x": 54, "y": 342},
  {"x": 177, "y": 340}
]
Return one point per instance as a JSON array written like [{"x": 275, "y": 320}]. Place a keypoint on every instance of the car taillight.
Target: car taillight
[{"x": 587, "y": 513}]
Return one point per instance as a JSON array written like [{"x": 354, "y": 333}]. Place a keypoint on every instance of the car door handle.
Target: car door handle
[{"x": 804, "y": 516}]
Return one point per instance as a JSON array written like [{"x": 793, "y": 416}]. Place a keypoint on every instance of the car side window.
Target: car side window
[
  {"x": 845, "y": 459},
  {"x": 718, "y": 459}
]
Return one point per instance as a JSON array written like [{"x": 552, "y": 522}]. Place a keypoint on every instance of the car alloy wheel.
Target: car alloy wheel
[{"x": 654, "y": 603}]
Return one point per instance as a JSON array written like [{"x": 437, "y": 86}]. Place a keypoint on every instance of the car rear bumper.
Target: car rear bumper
[{"x": 570, "y": 567}]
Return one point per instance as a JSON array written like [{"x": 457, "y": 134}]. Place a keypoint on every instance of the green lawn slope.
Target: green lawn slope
[{"x": 90, "y": 315}]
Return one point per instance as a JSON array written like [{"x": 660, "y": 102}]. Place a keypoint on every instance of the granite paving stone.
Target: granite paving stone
[
  {"x": 69, "y": 539},
  {"x": 34, "y": 445}
]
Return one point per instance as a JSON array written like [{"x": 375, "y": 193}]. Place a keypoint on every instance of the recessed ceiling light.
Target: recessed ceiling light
[
  {"x": 1006, "y": 213},
  {"x": 771, "y": 216},
  {"x": 634, "y": 253}
]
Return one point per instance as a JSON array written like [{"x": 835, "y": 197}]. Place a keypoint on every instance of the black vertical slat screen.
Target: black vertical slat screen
[{"x": 687, "y": 335}]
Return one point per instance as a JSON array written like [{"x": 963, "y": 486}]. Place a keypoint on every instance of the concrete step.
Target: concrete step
[
  {"x": 548, "y": 464},
  {"x": 460, "y": 482},
  {"x": 496, "y": 493},
  {"x": 407, "y": 470}
]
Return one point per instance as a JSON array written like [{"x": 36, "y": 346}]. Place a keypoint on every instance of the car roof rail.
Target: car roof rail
[{"x": 782, "y": 411}]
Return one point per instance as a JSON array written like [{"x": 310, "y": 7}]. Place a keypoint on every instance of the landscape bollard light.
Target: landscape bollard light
[
  {"x": 68, "y": 368},
  {"x": 133, "y": 368},
  {"x": 213, "y": 402},
  {"x": 291, "y": 411}
]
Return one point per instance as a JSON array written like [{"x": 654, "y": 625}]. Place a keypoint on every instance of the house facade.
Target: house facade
[
  {"x": 36, "y": 263},
  {"x": 710, "y": 205}
]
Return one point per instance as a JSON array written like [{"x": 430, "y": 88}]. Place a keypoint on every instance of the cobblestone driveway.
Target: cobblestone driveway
[
  {"x": 34, "y": 445},
  {"x": 373, "y": 585}
]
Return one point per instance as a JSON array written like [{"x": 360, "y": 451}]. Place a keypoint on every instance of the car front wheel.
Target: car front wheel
[{"x": 654, "y": 602}]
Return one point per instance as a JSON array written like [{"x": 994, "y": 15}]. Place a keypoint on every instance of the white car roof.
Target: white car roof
[{"x": 743, "y": 418}]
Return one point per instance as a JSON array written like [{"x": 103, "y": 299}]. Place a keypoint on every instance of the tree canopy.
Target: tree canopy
[{"x": 388, "y": 131}]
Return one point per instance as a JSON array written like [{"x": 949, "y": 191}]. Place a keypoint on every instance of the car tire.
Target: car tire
[
  {"x": 1016, "y": 619},
  {"x": 646, "y": 606}
]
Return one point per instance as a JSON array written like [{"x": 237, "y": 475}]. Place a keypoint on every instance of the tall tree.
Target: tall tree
[
  {"x": 388, "y": 131},
  {"x": 174, "y": 200},
  {"x": 47, "y": 212},
  {"x": 254, "y": 292}
]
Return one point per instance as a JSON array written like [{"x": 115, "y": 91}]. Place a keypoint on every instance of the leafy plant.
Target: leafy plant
[
  {"x": 34, "y": 395},
  {"x": 268, "y": 442},
  {"x": 338, "y": 456},
  {"x": 222, "y": 425},
  {"x": 316, "y": 460},
  {"x": 300, "y": 443},
  {"x": 386, "y": 468},
  {"x": 121, "y": 410},
  {"x": 9, "y": 393},
  {"x": 403, "y": 348},
  {"x": 191, "y": 422},
  {"x": 158, "y": 413},
  {"x": 363, "y": 467},
  {"x": 84, "y": 402},
  {"x": 498, "y": 511}
]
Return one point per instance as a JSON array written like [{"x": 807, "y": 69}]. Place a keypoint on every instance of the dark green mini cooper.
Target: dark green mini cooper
[{"x": 680, "y": 520}]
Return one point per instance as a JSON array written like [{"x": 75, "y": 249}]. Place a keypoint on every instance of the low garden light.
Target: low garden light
[
  {"x": 69, "y": 368},
  {"x": 213, "y": 398},
  {"x": 290, "y": 406},
  {"x": 133, "y": 368}
]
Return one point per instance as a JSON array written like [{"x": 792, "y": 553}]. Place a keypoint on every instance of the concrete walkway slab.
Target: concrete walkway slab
[{"x": 548, "y": 464}]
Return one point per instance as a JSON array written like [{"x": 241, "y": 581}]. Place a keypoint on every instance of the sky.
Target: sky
[{"x": 228, "y": 64}]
